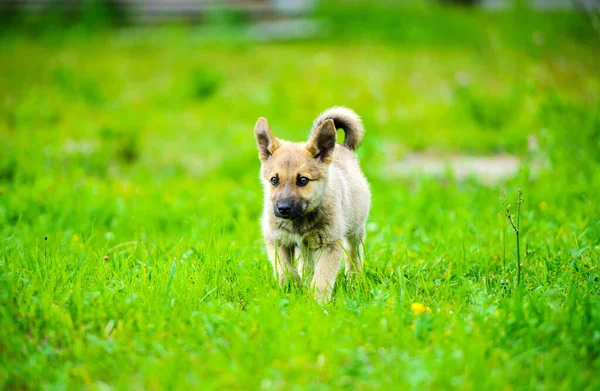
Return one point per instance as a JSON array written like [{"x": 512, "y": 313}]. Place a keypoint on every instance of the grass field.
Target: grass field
[{"x": 130, "y": 249}]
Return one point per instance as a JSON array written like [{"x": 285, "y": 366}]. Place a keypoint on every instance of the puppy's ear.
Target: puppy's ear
[
  {"x": 266, "y": 142},
  {"x": 322, "y": 141}
]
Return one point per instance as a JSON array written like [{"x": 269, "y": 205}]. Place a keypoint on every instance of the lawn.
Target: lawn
[{"x": 131, "y": 255}]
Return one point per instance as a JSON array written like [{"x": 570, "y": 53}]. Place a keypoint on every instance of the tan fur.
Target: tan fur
[{"x": 333, "y": 207}]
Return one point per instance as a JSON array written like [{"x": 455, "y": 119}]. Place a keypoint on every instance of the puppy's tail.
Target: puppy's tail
[{"x": 345, "y": 119}]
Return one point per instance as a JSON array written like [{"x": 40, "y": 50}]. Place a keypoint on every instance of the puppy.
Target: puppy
[{"x": 316, "y": 201}]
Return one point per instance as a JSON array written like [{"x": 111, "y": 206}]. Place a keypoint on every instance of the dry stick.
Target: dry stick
[
  {"x": 519, "y": 202},
  {"x": 510, "y": 219},
  {"x": 516, "y": 229}
]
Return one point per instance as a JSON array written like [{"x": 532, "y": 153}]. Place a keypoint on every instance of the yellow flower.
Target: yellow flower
[
  {"x": 543, "y": 206},
  {"x": 413, "y": 326},
  {"x": 418, "y": 309}
]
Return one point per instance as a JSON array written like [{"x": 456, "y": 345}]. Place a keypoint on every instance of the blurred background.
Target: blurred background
[
  {"x": 130, "y": 244},
  {"x": 121, "y": 100}
]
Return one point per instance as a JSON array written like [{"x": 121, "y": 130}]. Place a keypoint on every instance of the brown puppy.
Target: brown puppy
[{"x": 316, "y": 202}]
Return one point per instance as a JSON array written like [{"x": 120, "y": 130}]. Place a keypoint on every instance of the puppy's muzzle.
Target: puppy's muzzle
[{"x": 288, "y": 208}]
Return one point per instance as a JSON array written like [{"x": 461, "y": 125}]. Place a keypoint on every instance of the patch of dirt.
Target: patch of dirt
[{"x": 486, "y": 169}]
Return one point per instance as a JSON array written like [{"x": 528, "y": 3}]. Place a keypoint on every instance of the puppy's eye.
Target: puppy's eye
[
  {"x": 302, "y": 181},
  {"x": 274, "y": 181}
]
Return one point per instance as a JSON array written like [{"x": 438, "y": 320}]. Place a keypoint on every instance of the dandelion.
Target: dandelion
[{"x": 418, "y": 309}]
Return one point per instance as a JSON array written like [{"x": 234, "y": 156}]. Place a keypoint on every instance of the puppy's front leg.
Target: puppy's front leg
[
  {"x": 305, "y": 261},
  {"x": 281, "y": 259},
  {"x": 326, "y": 271}
]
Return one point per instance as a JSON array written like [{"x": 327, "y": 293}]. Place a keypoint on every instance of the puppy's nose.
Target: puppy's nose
[{"x": 284, "y": 208}]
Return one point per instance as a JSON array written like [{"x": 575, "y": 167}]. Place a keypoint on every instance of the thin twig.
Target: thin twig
[
  {"x": 517, "y": 232},
  {"x": 510, "y": 219}
]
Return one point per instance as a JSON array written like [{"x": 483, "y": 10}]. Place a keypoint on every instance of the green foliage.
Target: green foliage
[
  {"x": 204, "y": 83},
  {"x": 132, "y": 152},
  {"x": 51, "y": 17}
]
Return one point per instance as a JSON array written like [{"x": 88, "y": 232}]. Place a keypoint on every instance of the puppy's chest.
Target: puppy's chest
[{"x": 306, "y": 232}]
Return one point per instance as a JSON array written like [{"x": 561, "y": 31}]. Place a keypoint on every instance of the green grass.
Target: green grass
[{"x": 137, "y": 145}]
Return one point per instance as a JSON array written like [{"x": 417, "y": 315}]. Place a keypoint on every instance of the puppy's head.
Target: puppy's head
[{"x": 295, "y": 174}]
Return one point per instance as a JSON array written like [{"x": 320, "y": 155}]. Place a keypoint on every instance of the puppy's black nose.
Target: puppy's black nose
[{"x": 284, "y": 208}]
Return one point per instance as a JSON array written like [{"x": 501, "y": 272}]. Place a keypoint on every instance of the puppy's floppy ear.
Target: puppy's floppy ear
[
  {"x": 266, "y": 142},
  {"x": 322, "y": 141}
]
